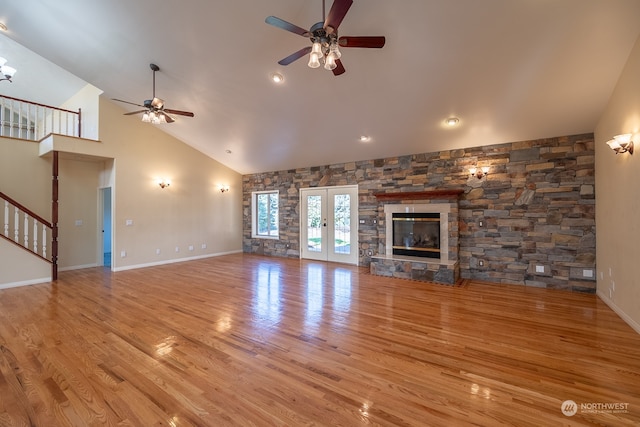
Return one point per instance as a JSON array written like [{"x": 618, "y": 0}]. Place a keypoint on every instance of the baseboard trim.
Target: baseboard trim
[
  {"x": 78, "y": 267},
  {"x": 624, "y": 316},
  {"x": 174, "y": 261},
  {"x": 26, "y": 283}
]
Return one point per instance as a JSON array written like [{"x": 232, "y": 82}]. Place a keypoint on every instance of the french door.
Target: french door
[{"x": 329, "y": 224}]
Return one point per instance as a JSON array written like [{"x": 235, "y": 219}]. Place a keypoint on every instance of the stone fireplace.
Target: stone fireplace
[{"x": 420, "y": 237}]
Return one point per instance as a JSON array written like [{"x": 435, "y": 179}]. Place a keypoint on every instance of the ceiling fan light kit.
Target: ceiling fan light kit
[
  {"x": 324, "y": 48},
  {"x": 325, "y": 43},
  {"x": 154, "y": 110},
  {"x": 6, "y": 72}
]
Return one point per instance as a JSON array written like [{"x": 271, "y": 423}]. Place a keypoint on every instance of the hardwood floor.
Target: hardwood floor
[{"x": 246, "y": 340}]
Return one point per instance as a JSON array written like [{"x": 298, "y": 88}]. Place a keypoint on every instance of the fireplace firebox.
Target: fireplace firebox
[{"x": 416, "y": 234}]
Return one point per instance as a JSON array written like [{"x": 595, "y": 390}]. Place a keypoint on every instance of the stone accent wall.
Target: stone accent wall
[{"x": 531, "y": 221}]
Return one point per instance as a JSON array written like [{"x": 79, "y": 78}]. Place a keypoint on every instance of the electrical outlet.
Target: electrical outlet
[
  {"x": 177, "y": 249},
  {"x": 369, "y": 252},
  {"x": 587, "y": 273},
  {"x": 128, "y": 222},
  {"x": 157, "y": 251},
  {"x": 480, "y": 263},
  {"x": 539, "y": 268},
  {"x": 204, "y": 246},
  {"x": 191, "y": 247},
  {"x": 123, "y": 254},
  {"x": 481, "y": 223},
  {"x": 78, "y": 222}
]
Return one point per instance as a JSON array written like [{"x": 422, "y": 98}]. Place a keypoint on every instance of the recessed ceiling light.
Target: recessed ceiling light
[
  {"x": 452, "y": 121},
  {"x": 3, "y": 27},
  {"x": 364, "y": 138},
  {"x": 277, "y": 77}
]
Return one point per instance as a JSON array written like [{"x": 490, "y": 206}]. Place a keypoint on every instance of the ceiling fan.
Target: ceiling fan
[
  {"x": 154, "y": 110},
  {"x": 324, "y": 38}
]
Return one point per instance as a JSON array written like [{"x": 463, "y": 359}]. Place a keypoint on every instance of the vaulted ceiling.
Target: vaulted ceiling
[{"x": 510, "y": 70}]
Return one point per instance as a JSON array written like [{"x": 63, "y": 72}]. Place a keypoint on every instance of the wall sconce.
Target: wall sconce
[
  {"x": 164, "y": 183},
  {"x": 621, "y": 143},
  {"x": 224, "y": 188},
  {"x": 479, "y": 172}
]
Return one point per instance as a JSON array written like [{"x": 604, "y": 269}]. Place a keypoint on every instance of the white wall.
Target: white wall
[
  {"x": 618, "y": 198},
  {"x": 33, "y": 269},
  {"x": 87, "y": 99},
  {"x": 77, "y": 213},
  {"x": 190, "y": 213}
]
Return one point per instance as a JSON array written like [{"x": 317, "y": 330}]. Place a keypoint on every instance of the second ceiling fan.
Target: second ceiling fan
[
  {"x": 325, "y": 43},
  {"x": 154, "y": 108}
]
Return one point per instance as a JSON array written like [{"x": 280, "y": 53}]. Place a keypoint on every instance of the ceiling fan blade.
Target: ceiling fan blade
[
  {"x": 135, "y": 112},
  {"x": 296, "y": 55},
  {"x": 127, "y": 102},
  {"x": 370, "y": 41},
  {"x": 339, "y": 68},
  {"x": 167, "y": 117},
  {"x": 281, "y": 23},
  {"x": 179, "y": 113},
  {"x": 338, "y": 10}
]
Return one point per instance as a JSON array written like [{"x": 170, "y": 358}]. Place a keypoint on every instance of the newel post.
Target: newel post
[
  {"x": 54, "y": 218},
  {"x": 79, "y": 122}
]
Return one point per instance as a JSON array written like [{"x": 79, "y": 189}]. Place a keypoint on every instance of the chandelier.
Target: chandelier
[
  {"x": 324, "y": 49},
  {"x": 6, "y": 71}
]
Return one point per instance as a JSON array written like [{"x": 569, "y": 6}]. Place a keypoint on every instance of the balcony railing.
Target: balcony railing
[{"x": 33, "y": 121}]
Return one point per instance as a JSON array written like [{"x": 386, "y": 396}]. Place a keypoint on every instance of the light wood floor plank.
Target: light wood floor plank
[{"x": 247, "y": 340}]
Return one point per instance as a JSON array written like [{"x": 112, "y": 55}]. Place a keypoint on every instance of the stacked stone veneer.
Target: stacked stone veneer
[{"x": 535, "y": 208}]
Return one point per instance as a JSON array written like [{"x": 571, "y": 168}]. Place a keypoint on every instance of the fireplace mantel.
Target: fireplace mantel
[{"x": 420, "y": 195}]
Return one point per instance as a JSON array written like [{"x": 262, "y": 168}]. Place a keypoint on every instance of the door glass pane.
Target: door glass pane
[
  {"x": 314, "y": 223},
  {"x": 342, "y": 223}
]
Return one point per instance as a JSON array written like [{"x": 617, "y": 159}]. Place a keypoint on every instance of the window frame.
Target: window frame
[{"x": 254, "y": 214}]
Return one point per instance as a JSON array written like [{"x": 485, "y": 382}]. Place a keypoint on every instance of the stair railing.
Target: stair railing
[
  {"x": 25, "y": 228},
  {"x": 24, "y": 119}
]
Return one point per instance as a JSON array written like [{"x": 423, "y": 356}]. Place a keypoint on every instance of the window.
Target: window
[{"x": 265, "y": 214}]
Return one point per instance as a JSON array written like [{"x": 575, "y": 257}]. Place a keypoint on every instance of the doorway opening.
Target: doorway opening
[
  {"x": 105, "y": 227},
  {"x": 329, "y": 224}
]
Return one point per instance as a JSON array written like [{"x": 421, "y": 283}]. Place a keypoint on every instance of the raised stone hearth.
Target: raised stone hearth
[
  {"x": 415, "y": 269},
  {"x": 446, "y": 268}
]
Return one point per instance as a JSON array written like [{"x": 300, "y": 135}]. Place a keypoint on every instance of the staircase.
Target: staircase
[
  {"x": 21, "y": 119},
  {"x": 26, "y": 229}
]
